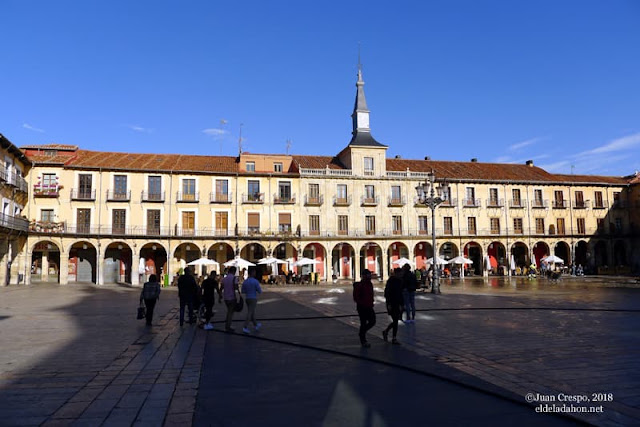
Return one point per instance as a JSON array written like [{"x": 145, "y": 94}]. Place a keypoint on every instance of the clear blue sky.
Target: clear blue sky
[{"x": 553, "y": 81}]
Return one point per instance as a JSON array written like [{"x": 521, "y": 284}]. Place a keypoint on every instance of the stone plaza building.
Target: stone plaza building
[{"x": 107, "y": 217}]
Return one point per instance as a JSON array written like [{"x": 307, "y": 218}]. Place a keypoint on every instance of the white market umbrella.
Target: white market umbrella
[
  {"x": 204, "y": 261},
  {"x": 439, "y": 261},
  {"x": 401, "y": 262},
  {"x": 306, "y": 261},
  {"x": 460, "y": 260},
  {"x": 553, "y": 259},
  {"x": 512, "y": 263},
  {"x": 239, "y": 263},
  {"x": 271, "y": 260},
  {"x": 487, "y": 261},
  {"x": 141, "y": 265}
]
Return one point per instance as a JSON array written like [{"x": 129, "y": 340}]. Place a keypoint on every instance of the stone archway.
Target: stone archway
[
  {"x": 82, "y": 263},
  {"x": 316, "y": 252},
  {"x": 581, "y": 253},
  {"x": 117, "y": 263},
  {"x": 342, "y": 264},
  {"x": 561, "y": 249},
  {"x": 45, "y": 262},
  {"x": 520, "y": 254},
  {"x": 498, "y": 256},
  {"x": 473, "y": 251},
  {"x": 153, "y": 260},
  {"x": 253, "y": 252},
  {"x": 371, "y": 259},
  {"x": 540, "y": 250},
  {"x": 448, "y": 250},
  {"x": 396, "y": 251},
  {"x": 421, "y": 252},
  {"x": 221, "y": 253}
]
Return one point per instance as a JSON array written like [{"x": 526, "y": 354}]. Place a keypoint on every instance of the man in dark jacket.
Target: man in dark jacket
[
  {"x": 187, "y": 292},
  {"x": 409, "y": 293},
  {"x": 209, "y": 289},
  {"x": 363, "y": 297},
  {"x": 393, "y": 295}
]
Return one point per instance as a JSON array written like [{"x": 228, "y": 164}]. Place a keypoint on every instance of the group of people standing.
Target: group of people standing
[
  {"x": 399, "y": 294},
  {"x": 193, "y": 296}
]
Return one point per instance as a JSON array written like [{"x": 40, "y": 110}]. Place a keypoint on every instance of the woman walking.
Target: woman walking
[
  {"x": 150, "y": 294},
  {"x": 395, "y": 301}
]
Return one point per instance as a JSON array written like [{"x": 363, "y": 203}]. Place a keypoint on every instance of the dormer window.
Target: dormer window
[
  {"x": 277, "y": 167},
  {"x": 251, "y": 166},
  {"x": 368, "y": 165}
]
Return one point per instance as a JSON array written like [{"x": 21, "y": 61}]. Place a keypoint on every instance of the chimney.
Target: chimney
[
  {"x": 398, "y": 156},
  {"x": 529, "y": 163},
  {"x": 474, "y": 160},
  {"x": 427, "y": 157}
]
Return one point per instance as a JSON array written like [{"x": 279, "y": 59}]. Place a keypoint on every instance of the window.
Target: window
[
  {"x": 253, "y": 222},
  {"x": 222, "y": 190},
  {"x": 495, "y": 225},
  {"x": 396, "y": 195},
  {"x": 537, "y": 199},
  {"x": 253, "y": 190},
  {"x": 284, "y": 191},
  {"x": 446, "y": 196},
  {"x": 49, "y": 180},
  {"x": 251, "y": 166},
  {"x": 579, "y": 199},
  {"x": 558, "y": 197},
  {"x": 423, "y": 224},
  {"x": 314, "y": 225},
  {"x": 471, "y": 225},
  {"x": 448, "y": 225},
  {"x": 368, "y": 165},
  {"x": 493, "y": 197},
  {"x": 188, "y": 223},
  {"x": 560, "y": 226},
  {"x": 515, "y": 196},
  {"x": 341, "y": 195},
  {"x": 277, "y": 167},
  {"x": 46, "y": 215},
  {"x": 155, "y": 188},
  {"x": 370, "y": 224},
  {"x": 314, "y": 193},
  {"x": 581, "y": 226},
  {"x": 517, "y": 226},
  {"x": 471, "y": 197},
  {"x": 85, "y": 187},
  {"x": 118, "y": 221},
  {"x": 598, "y": 203},
  {"x": 83, "y": 220},
  {"x": 369, "y": 192},
  {"x": 222, "y": 223},
  {"x": 396, "y": 222},
  {"x": 284, "y": 222},
  {"x": 343, "y": 224},
  {"x": 120, "y": 187},
  {"x": 189, "y": 189},
  {"x": 539, "y": 225},
  {"x": 153, "y": 222}
]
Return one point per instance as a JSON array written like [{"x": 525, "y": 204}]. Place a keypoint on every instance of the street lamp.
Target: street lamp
[{"x": 427, "y": 196}]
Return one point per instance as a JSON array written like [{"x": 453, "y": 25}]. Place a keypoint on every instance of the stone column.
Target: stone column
[
  {"x": 3, "y": 270},
  {"x": 355, "y": 264},
  {"x": 385, "y": 264},
  {"x": 100, "y": 267},
  {"x": 135, "y": 264},
  {"x": 64, "y": 269},
  {"x": 45, "y": 266}
]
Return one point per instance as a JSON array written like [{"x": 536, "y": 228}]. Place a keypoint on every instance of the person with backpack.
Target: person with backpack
[
  {"x": 150, "y": 295},
  {"x": 363, "y": 297},
  {"x": 395, "y": 301}
]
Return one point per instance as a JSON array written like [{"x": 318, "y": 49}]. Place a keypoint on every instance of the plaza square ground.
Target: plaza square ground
[{"x": 487, "y": 351}]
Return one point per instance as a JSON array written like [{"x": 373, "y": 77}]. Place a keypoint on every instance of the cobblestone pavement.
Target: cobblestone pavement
[
  {"x": 578, "y": 337},
  {"x": 75, "y": 355}
]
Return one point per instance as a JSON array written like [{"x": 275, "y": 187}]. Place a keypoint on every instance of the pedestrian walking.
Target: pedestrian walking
[
  {"x": 187, "y": 292},
  {"x": 394, "y": 299},
  {"x": 150, "y": 294},
  {"x": 209, "y": 289},
  {"x": 251, "y": 288},
  {"x": 363, "y": 297},
  {"x": 229, "y": 288},
  {"x": 410, "y": 284}
]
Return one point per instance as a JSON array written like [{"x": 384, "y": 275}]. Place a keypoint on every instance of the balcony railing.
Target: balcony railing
[
  {"x": 517, "y": 203},
  {"x": 495, "y": 203},
  {"x": 284, "y": 200},
  {"x": 46, "y": 227},
  {"x": 118, "y": 196},
  {"x": 581, "y": 204},
  {"x": 219, "y": 198},
  {"x": 559, "y": 204},
  {"x": 40, "y": 190},
  {"x": 370, "y": 201},
  {"x": 83, "y": 195},
  {"x": 397, "y": 201},
  {"x": 471, "y": 203},
  {"x": 153, "y": 197},
  {"x": 12, "y": 178},
  {"x": 341, "y": 201},
  {"x": 253, "y": 198},
  {"x": 13, "y": 222},
  {"x": 313, "y": 201},
  {"x": 600, "y": 204},
  {"x": 187, "y": 197},
  {"x": 539, "y": 204}
]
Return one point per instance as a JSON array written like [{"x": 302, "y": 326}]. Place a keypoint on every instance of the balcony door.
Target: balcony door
[
  {"x": 153, "y": 222},
  {"x": 118, "y": 221},
  {"x": 188, "y": 223},
  {"x": 84, "y": 186},
  {"x": 83, "y": 220}
]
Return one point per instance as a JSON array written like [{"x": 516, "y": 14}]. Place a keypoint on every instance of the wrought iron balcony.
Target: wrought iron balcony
[
  {"x": 471, "y": 203},
  {"x": 187, "y": 197},
  {"x": 539, "y": 204},
  {"x": 253, "y": 198},
  {"x": 341, "y": 201},
  {"x": 600, "y": 204},
  {"x": 559, "y": 204},
  {"x": 370, "y": 201},
  {"x": 313, "y": 201},
  {"x": 219, "y": 198},
  {"x": 118, "y": 196},
  {"x": 517, "y": 204},
  {"x": 495, "y": 203},
  {"x": 154, "y": 197},
  {"x": 397, "y": 201},
  {"x": 13, "y": 179},
  {"x": 581, "y": 204},
  {"x": 42, "y": 190},
  {"x": 14, "y": 222},
  {"x": 46, "y": 227},
  {"x": 278, "y": 199},
  {"x": 83, "y": 195}
]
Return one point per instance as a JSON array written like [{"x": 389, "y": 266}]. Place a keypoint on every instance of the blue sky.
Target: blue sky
[{"x": 502, "y": 81}]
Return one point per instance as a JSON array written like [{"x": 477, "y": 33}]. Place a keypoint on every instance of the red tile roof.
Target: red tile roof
[
  {"x": 317, "y": 162},
  {"x": 591, "y": 179},
  {"x": 50, "y": 147}
]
